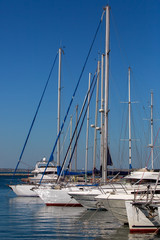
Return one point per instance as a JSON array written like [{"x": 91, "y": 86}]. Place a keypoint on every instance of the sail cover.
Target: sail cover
[{"x": 109, "y": 159}]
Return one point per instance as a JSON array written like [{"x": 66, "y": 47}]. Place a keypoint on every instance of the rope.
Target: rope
[
  {"x": 65, "y": 137},
  {"x": 147, "y": 162},
  {"x": 35, "y": 115},
  {"x": 80, "y": 127},
  {"x": 85, "y": 215},
  {"x": 86, "y": 98},
  {"x": 123, "y": 53},
  {"x": 51, "y": 156},
  {"x": 153, "y": 146}
]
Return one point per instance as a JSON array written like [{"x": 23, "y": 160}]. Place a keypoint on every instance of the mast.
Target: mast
[
  {"x": 87, "y": 134},
  {"x": 102, "y": 110},
  {"x": 106, "y": 93},
  {"x": 95, "y": 125},
  {"x": 70, "y": 140},
  {"x": 129, "y": 112},
  {"x": 59, "y": 103},
  {"x": 152, "y": 128},
  {"x": 76, "y": 138}
]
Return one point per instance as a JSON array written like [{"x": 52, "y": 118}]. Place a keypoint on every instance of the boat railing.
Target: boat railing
[
  {"x": 116, "y": 186},
  {"x": 111, "y": 184},
  {"x": 122, "y": 186}
]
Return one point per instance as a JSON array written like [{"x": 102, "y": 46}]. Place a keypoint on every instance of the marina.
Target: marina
[
  {"x": 88, "y": 183},
  {"x": 29, "y": 218}
]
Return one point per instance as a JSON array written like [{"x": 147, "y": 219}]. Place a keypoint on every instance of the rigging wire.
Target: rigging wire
[
  {"x": 135, "y": 140},
  {"x": 153, "y": 146},
  {"x": 74, "y": 93},
  {"x": 66, "y": 135},
  {"x": 123, "y": 53},
  {"x": 124, "y": 128},
  {"x": 81, "y": 126},
  {"x": 147, "y": 162},
  {"x": 27, "y": 165},
  {"x": 141, "y": 127},
  {"x": 35, "y": 114},
  {"x": 117, "y": 94},
  {"x": 82, "y": 109}
]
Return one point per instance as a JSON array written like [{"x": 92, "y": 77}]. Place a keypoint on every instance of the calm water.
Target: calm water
[{"x": 29, "y": 218}]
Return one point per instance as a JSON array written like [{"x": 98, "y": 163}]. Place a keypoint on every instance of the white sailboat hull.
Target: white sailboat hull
[
  {"x": 57, "y": 197},
  {"x": 115, "y": 204},
  {"x": 142, "y": 219},
  {"x": 87, "y": 196},
  {"x": 86, "y": 199},
  {"x": 24, "y": 190}
]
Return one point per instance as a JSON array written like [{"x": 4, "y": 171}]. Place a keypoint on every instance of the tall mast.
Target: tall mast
[
  {"x": 87, "y": 134},
  {"x": 59, "y": 103},
  {"x": 76, "y": 138},
  {"x": 70, "y": 140},
  {"x": 102, "y": 109},
  {"x": 129, "y": 112},
  {"x": 104, "y": 172},
  {"x": 95, "y": 125},
  {"x": 152, "y": 128}
]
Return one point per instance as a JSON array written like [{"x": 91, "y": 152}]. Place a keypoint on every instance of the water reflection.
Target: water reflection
[
  {"x": 19, "y": 201},
  {"x": 123, "y": 233},
  {"x": 61, "y": 222},
  {"x": 142, "y": 236},
  {"x": 29, "y": 217}
]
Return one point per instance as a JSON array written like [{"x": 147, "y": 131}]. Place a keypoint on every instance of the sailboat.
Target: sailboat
[
  {"x": 112, "y": 195},
  {"x": 87, "y": 196},
  {"x": 143, "y": 212},
  {"x": 143, "y": 216},
  {"x": 57, "y": 195},
  {"x": 116, "y": 201},
  {"x": 60, "y": 196},
  {"x": 51, "y": 173}
]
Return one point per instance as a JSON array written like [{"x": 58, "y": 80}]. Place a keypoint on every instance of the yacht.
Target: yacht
[
  {"x": 50, "y": 174},
  {"x": 25, "y": 189}
]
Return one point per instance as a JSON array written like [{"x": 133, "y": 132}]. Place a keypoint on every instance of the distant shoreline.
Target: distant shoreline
[
  {"x": 16, "y": 174},
  {"x": 10, "y": 171}
]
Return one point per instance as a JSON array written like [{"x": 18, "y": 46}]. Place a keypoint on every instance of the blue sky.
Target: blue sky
[{"x": 32, "y": 31}]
